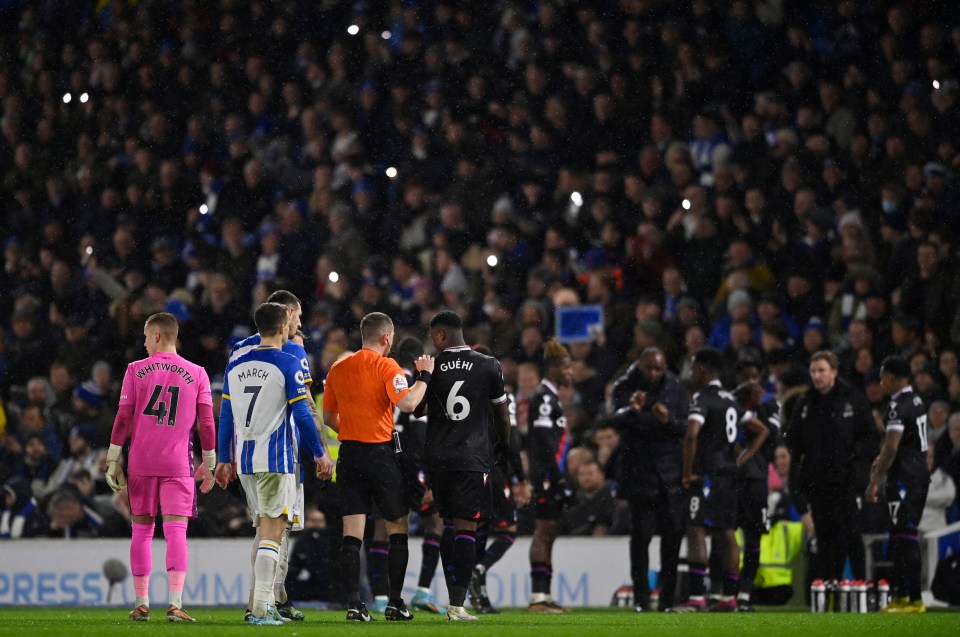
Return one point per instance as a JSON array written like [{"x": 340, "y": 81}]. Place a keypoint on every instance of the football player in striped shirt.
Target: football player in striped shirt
[
  {"x": 263, "y": 392},
  {"x": 294, "y": 347}
]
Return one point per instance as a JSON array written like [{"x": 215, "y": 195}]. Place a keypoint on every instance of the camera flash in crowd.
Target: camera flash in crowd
[
  {"x": 89, "y": 250},
  {"x": 686, "y": 204},
  {"x": 576, "y": 198},
  {"x": 391, "y": 172},
  {"x": 936, "y": 85},
  {"x": 334, "y": 277},
  {"x": 353, "y": 29},
  {"x": 492, "y": 260},
  {"x": 386, "y": 35},
  {"x": 67, "y": 97},
  {"x": 203, "y": 209},
  {"x": 84, "y": 97}
]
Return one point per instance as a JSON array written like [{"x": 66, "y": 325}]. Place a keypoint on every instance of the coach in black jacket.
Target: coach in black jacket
[
  {"x": 832, "y": 439},
  {"x": 652, "y": 420}
]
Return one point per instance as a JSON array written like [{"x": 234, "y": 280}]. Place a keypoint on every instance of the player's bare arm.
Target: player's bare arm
[
  {"x": 690, "y": 452},
  {"x": 760, "y": 434},
  {"x": 888, "y": 452},
  {"x": 501, "y": 422},
  {"x": 317, "y": 421}
]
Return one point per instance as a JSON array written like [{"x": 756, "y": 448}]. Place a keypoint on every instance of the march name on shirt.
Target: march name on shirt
[
  {"x": 254, "y": 372},
  {"x": 165, "y": 367}
]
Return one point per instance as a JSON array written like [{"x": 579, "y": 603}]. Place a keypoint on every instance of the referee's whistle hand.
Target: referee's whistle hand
[
  {"x": 325, "y": 467},
  {"x": 424, "y": 363}
]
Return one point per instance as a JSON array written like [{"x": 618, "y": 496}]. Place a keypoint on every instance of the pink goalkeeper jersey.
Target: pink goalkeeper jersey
[{"x": 164, "y": 391}]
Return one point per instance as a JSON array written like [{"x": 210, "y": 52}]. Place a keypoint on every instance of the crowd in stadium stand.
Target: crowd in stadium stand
[{"x": 766, "y": 177}]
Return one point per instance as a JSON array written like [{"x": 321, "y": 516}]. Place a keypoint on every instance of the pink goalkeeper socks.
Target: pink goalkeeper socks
[
  {"x": 141, "y": 559},
  {"x": 177, "y": 555}
]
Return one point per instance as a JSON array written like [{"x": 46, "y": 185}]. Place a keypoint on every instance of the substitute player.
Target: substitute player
[
  {"x": 458, "y": 454},
  {"x": 360, "y": 393},
  {"x": 162, "y": 398},
  {"x": 752, "y": 515},
  {"x": 295, "y": 522},
  {"x": 710, "y": 464},
  {"x": 547, "y": 443},
  {"x": 903, "y": 464},
  {"x": 263, "y": 392}
]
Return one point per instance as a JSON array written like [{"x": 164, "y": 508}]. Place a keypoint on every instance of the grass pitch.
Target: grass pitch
[{"x": 223, "y": 622}]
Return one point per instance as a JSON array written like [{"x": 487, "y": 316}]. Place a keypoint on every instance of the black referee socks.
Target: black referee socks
[
  {"x": 350, "y": 566},
  {"x": 397, "y": 564}
]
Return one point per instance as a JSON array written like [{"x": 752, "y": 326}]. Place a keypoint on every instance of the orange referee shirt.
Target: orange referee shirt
[{"x": 363, "y": 388}]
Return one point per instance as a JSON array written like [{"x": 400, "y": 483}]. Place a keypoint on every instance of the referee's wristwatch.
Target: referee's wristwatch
[{"x": 423, "y": 375}]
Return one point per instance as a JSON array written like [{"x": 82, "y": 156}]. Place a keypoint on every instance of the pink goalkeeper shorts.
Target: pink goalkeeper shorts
[{"x": 175, "y": 496}]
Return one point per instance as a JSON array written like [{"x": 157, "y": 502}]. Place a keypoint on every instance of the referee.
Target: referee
[{"x": 359, "y": 396}]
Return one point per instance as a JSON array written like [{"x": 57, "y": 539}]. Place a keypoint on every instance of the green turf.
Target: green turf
[{"x": 216, "y": 622}]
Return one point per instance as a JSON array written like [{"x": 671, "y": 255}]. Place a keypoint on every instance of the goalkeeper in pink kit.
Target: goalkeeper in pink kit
[{"x": 161, "y": 400}]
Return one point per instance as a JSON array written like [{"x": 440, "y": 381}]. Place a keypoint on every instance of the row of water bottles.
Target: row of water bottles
[{"x": 848, "y": 596}]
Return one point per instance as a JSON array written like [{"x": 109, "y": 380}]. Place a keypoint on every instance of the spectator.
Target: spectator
[
  {"x": 83, "y": 455},
  {"x": 38, "y": 466},
  {"x": 70, "y": 517},
  {"x": 937, "y": 417},
  {"x": 21, "y": 516},
  {"x": 308, "y": 578},
  {"x": 940, "y": 497},
  {"x": 609, "y": 455},
  {"x": 33, "y": 423},
  {"x": 947, "y": 450},
  {"x": 593, "y": 510}
]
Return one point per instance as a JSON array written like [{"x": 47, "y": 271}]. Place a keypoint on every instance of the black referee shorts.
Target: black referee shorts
[
  {"x": 370, "y": 472},
  {"x": 460, "y": 494}
]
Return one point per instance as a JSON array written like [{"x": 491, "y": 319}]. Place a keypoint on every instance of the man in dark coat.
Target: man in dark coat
[{"x": 651, "y": 417}]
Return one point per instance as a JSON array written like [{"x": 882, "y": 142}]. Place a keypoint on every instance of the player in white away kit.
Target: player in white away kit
[
  {"x": 294, "y": 521},
  {"x": 161, "y": 400},
  {"x": 263, "y": 392}
]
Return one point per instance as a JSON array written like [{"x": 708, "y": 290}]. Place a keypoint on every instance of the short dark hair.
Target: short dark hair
[
  {"x": 743, "y": 364},
  {"x": 166, "y": 324},
  {"x": 447, "y": 318},
  {"x": 408, "y": 350},
  {"x": 710, "y": 358},
  {"x": 284, "y": 297},
  {"x": 826, "y": 355},
  {"x": 270, "y": 317},
  {"x": 374, "y": 325},
  {"x": 896, "y": 366}
]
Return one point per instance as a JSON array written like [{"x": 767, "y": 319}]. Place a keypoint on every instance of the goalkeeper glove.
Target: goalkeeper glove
[{"x": 114, "y": 476}]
